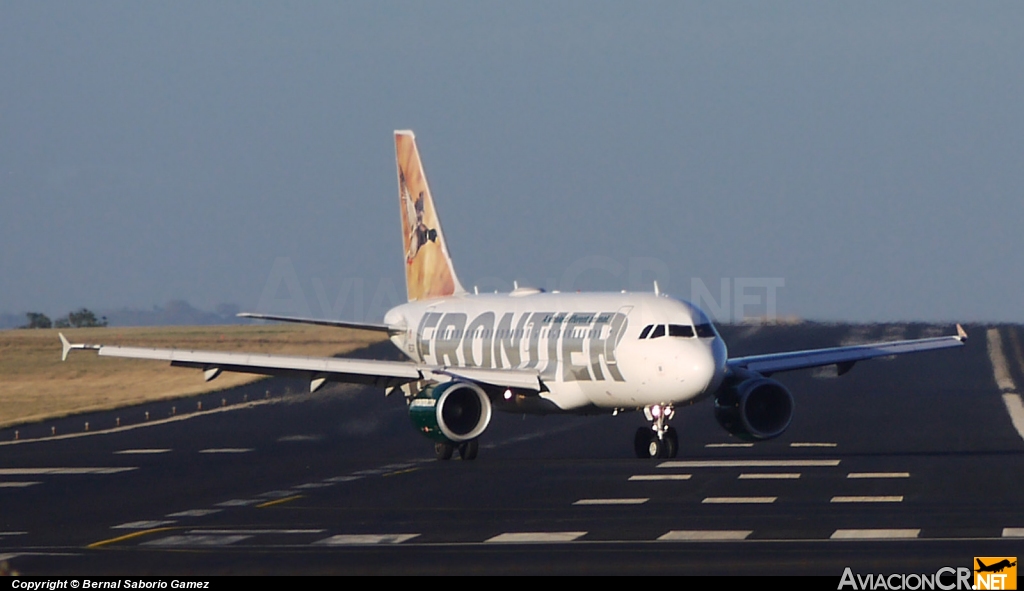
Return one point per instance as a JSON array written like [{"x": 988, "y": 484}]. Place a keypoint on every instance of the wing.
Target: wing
[
  {"x": 843, "y": 357},
  {"x": 335, "y": 323},
  {"x": 318, "y": 370}
]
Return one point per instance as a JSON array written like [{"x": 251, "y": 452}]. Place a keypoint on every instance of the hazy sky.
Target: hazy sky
[{"x": 867, "y": 155}]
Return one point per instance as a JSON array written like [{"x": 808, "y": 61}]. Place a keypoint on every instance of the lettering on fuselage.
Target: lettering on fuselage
[{"x": 564, "y": 346}]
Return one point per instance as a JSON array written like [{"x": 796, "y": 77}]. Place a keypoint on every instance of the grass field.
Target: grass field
[{"x": 36, "y": 385}]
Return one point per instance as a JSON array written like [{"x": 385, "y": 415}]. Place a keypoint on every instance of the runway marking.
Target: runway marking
[
  {"x": 196, "y": 540},
  {"x": 343, "y": 479},
  {"x": 738, "y": 500},
  {"x": 1001, "y": 373},
  {"x": 238, "y": 503},
  {"x": 13, "y": 533},
  {"x": 634, "y": 501},
  {"x": 226, "y": 450},
  {"x": 406, "y": 471},
  {"x": 714, "y": 445},
  {"x": 253, "y": 532},
  {"x": 130, "y": 536},
  {"x": 18, "y": 484},
  {"x": 874, "y": 534},
  {"x": 276, "y": 494},
  {"x": 154, "y": 423},
  {"x": 278, "y": 502},
  {"x": 310, "y": 485},
  {"x": 878, "y": 475},
  {"x": 1015, "y": 407},
  {"x": 812, "y": 444},
  {"x": 661, "y": 477},
  {"x": 705, "y": 535},
  {"x": 889, "y": 499},
  {"x": 769, "y": 476},
  {"x": 194, "y": 513},
  {"x": 1013, "y": 532},
  {"x": 143, "y": 524},
  {"x": 141, "y": 451},
  {"x": 749, "y": 464},
  {"x": 532, "y": 537},
  {"x": 365, "y": 539},
  {"x": 62, "y": 471}
]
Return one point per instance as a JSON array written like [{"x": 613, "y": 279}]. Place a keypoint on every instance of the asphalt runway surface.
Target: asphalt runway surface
[{"x": 900, "y": 466}]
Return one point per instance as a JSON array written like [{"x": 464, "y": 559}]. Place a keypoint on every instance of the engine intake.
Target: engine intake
[
  {"x": 451, "y": 412},
  {"x": 754, "y": 409}
]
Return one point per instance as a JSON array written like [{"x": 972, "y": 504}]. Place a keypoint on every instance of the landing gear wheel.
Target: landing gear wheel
[
  {"x": 671, "y": 443},
  {"x": 641, "y": 442},
  {"x": 469, "y": 449},
  {"x": 443, "y": 451}
]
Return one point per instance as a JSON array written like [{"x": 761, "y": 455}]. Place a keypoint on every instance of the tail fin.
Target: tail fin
[{"x": 428, "y": 267}]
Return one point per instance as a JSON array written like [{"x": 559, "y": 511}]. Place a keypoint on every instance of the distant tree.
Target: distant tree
[
  {"x": 83, "y": 318},
  {"x": 61, "y": 323},
  {"x": 37, "y": 320}
]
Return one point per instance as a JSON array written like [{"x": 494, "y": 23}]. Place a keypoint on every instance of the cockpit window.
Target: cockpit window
[
  {"x": 680, "y": 330},
  {"x": 645, "y": 331},
  {"x": 659, "y": 331},
  {"x": 705, "y": 331}
]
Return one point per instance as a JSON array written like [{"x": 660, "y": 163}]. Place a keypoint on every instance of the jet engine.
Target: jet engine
[
  {"x": 754, "y": 409},
  {"x": 451, "y": 412}
]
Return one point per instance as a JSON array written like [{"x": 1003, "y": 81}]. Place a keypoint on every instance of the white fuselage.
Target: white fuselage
[{"x": 587, "y": 348}]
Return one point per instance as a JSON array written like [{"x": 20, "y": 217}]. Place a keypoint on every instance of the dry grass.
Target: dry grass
[{"x": 35, "y": 384}]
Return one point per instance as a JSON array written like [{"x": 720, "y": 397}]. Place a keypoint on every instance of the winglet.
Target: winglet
[
  {"x": 961, "y": 333},
  {"x": 66, "y": 345}
]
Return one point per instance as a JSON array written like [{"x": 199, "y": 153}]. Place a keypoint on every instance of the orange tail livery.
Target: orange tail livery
[{"x": 428, "y": 267}]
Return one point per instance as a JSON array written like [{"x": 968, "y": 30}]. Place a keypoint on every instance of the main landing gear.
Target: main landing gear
[
  {"x": 467, "y": 450},
  {"x": 659, "y": 440}
]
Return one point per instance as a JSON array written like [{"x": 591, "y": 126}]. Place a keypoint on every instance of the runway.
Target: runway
[{"x": 901, "y": 466}]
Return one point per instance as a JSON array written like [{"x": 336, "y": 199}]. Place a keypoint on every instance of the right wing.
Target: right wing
[{"x": 318, "y": 370}]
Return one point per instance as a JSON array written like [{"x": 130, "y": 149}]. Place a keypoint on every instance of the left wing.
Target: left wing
[
  {"x": 318, "y": 370},
  {"x": 843, "y": 357}
]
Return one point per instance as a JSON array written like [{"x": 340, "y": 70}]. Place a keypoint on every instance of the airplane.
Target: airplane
[
  {"x": 531, "y": 351},
  {"x": 994, "y": 568}
]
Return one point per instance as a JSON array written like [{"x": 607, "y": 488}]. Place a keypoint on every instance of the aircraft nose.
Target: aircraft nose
[{"x": 702, "y": 367}]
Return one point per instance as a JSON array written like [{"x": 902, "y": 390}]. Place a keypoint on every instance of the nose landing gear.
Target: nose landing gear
[{"x": 659, "y": 440}]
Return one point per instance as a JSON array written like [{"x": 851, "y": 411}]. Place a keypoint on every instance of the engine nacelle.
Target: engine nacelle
[
  {"x": 754, "y": 409},
  {"x": 451, "y": 412}
]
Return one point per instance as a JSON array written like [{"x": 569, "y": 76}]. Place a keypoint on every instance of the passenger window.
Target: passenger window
[
  {"x": 645, "y": 331},
  {"x": 680, "y": 330},
  {"x": 659, "y": 331}
]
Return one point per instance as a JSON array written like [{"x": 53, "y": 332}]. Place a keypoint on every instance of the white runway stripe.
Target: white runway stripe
[
  {"x": 637, "y": 501},
  {"x": 18, "y": 484},
  {"x": 62, "y": 471},
  {"x": 194, "y": 513},
  {"x": 141, "y": 451},
  {"x": 886, "y": 499},
  {"x": 705, "y": 535},
  {"x": 874, "y": 534},
  {"x": 253, "y": 532},
  {"x": 878, "y": 475},
  {"x": 1016, "y": 410},
  {"x": 727, "y": 445},
  {"x": 749, "y": 464},
  {"x": 196, "y": 540},
  {"x": 812, "y": 444},
  {"x": 365, "y": 539},
  {"x": 661, "y": 477},
  {"x": 239, "y": 503},
  {"x": 738, "y": 500},
  {"x": 1008, "y": 532},
  {"x": 770, "y": 476},
  {"x": 226, "y": 450},
  {"x": 526, "y": 537},
  {"x": 142, "y": 524}
]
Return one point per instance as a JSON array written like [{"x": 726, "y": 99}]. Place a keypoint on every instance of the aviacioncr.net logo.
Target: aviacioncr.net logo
[{"x": 946, "y": 578}]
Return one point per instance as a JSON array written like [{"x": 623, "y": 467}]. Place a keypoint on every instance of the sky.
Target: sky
[{"x": 859, "y": 161}]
